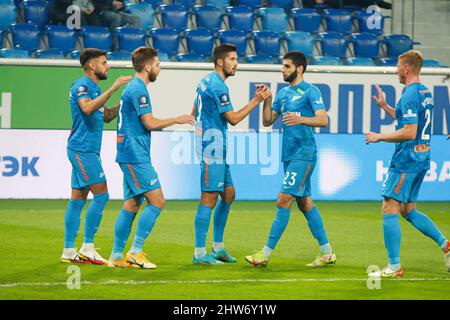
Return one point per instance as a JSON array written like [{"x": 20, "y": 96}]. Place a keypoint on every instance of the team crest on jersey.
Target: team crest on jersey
[
  {"x": 143, "y": 102},
  {"x": 409, "y": 114},
  {"x": 224, "y": 99},
  {"x": 82, "y": 90}
]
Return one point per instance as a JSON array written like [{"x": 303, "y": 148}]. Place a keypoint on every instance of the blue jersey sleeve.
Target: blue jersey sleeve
[
  {"x": 222, "y": 99},
  {"x": 276, "y": 105},
  {"x": 315, "y": 99},
  {"x": 141, "y": 102},
  {"x": 410, "y": 108},
  {"x": 81, "y": 91}
]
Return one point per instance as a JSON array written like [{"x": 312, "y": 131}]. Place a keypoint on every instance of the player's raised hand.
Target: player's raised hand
[
  {"x": 120, "y": 81},
  {"x": 380, "y": 100},
  {"x": 185, "y": 118},
  {"x": 372, "y": 137},
  {"x": 262, "y": 94},
  {"x": 291, "y": 119}
]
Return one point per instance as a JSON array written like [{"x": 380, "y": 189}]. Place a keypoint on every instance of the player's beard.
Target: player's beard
[
  {"x": 291, "y": 77},
  {"x": 152, "y": 77},
  {"x": 101, "y": 76},
  {"x": 228, "y": 73}
]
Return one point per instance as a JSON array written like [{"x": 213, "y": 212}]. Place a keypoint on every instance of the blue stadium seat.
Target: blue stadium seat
[
  {"x": 186, "y": 3},
  {"x": 333, "y": 44},
  {"x": 307, "y": 20},
  {"x": 236, "y": 37},
  {"x": 221, "y": 4},
  {"x": 166, "y": 40},
  {"x": 174, "y": 16},
  {"x": 96, "y": 37},
  {"x": 300, "y": 41},
  {"x": 200, "y": 41},
  {"x": 119, "y": 55},
  {"x": 366, "y": 45},
  {"x": 254, "y": 4},
  {"x": 191, "y": 57},
  {"x": 329, "y": 61},
  {"x": 155, "y": 3},
  {"x": 338, "y": 20},
  {"x": 388, "y": 62},
  {"x": 162, "y": 56},
  {"x": 397, "y": 44},
  {"x": 370, "y": 22},
  {"x": 129, "y": 39},
  {"x": 14, "y": 53},
  {"x": 273, "y": 19},
  {"x": 145, "y": 11},
  {"x": 431, "y": 63},
  {"x": 61, "y": 38},
  {"x": 360, "y": 62},
  {"x": 240, "y": 18},
  {"x": 208, "y": 17},
  {"x": 74, "y": 55},
  {"x": 8, "y": 16},
  {"x": 25, "y": 36},
  {"x": 50, "y": 54},
  {"x": 287, "y": 5},
  {"x": 1, "y": 38},
  {"x": 8, "y": 2},
  {"x": 267, "y": 43},
  {"x": 261, "y": 59},
  {"x": 36, "y": 11}
]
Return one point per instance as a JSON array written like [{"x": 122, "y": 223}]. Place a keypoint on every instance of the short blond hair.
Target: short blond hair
[{"x": 413, "y": 58}]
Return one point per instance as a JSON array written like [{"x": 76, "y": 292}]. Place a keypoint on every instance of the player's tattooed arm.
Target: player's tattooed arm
[
  {"x": 110, "y": 114},
  {"x": 408, "y": 132},
  {"x": 320, "y": 119},
  {"x": 381, "y": 101},
  {"x": 155, "y": 124}
]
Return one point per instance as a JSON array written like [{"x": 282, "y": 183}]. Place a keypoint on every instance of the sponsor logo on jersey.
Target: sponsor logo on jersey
[
  {"x": 82, "y": 90},
  {"x": 295, "y": 98},
  {"x": 224, "y": 99},
  {"x": 143, "y": 102},
  {"x": 410, "y": 114}
]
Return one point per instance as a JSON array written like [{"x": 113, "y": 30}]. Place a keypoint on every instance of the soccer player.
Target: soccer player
[
  {"x": 83, "y": 149},
  {"x": 409, "y": 164},
  {"x": 140, "y": 180},
  {"x": 302, "y": 108},
  {"x": 213, "y": 111}
]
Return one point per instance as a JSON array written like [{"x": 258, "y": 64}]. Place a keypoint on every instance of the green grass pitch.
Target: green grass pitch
[{"x": 31, "y": 241}]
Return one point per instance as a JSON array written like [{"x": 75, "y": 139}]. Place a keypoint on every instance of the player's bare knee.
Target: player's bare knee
[
  {"x": 305, "y": 204},
  {"x": 284, "y": 201},
  {"x": 209, "y": 199}
]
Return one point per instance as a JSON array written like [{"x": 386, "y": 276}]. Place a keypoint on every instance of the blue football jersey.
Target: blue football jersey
[
  {"x": 211, "y": 102},
  {"x": 133, "y": 138},
  {"x": 303, "y": 100},
  {"x": 86, "y": 133},
  {"x": 414, "y": 107}
]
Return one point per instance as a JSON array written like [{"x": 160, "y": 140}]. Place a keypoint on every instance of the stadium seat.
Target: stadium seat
[
  {"x": 300, "y": 41},
  {"x": 221, "y": 4},
  {"x": 236, "y": 37},
  {"x": 431, "y": 63},
  {"x": 50, "y": 54},
  {"x": 155, "y": 3},
  {"x": 186, "y": 3},
  {"x": 166, "y": 40},
  {"x": 61, "y": 38},
  {"x": 174, "y": 16},
  {"x": 9, "y": 2},
  {"x": 285, "y": 4},
  {"x": 96, "y": 37},
  {"x": 388, "y": 62},
  {"x": 1, "y": 38},
  {"x": 25, "y": 36},
  {"x": 360, "y": 62},
  {"x": 273, "y": 19},
  {"x": 397, "y": 44},
  {"x": 329, "y": 61},
  {"x": 208, "y": 17},
  {"x": 366, "y": 45},
  {"x": 191, "y": 57},
  {"x": 267, "y": 43},
  {"x": 333, "y": 44},
  {"x": 240, "y": 18},
  {"x": 74, "y": 55},
  {"x": 145, "y": 11},
  {"x": 129, "y": 39},
  {"x": 254, "y": 4},
  {"x": 370, "y": 22},
  {"x": 8, "y": 16},
  {"x": 261, "y": 59},
  {"x": 14, "y": 53},
  {"x": 119, "y": 55},
  {"x": 307, "y": 20},
  {"x": 338, "y": 20},
  {"x": 162, "y": 56},
  {"x": 200, "y": 41},
  {"x": 36, "y": 11}
]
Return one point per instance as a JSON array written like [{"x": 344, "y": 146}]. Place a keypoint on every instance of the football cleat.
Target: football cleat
[
  {"x": 71, "y": 256},
  {"x": 222, "y": 255},
  {"x": 89, "y": 254},
  {"x": 387, "y": 273},
  {"x": 323, "y": 260},
  {"x": 257, "y": 259},
  {"x": 447, "y": 256},
  {"x": 206, "y": 259},
  {"x": 140, "y": 260},
  {"x": 121, "y": 263}
]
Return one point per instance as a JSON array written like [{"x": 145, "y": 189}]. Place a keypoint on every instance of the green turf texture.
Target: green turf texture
[{"x": 32, "y": 233}]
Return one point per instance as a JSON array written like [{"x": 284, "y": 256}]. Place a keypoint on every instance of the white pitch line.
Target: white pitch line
[{"x": 146, "y": 282}]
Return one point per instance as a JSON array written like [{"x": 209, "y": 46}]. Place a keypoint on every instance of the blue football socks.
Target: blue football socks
[
  {"x": 278, "y": 226},
  {"x": 94, "y": 216},
  {"x": 122, "y": 231},
  {"x": 392, "y": 238},
  {"x": 72, "y": 222},
  {"x": 220, "y": 220},
  {"x": 145, "y": 225},
  {"x": 201, "y": 223},
  {"x": 315, "y": 224},
  {"x": 424, "y": 224}
]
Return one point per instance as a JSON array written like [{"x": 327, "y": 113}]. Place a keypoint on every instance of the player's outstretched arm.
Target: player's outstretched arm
[
  {"x": 381, "y": 101},
  {"x": 408, "y": 132},
  {"x": 155, "y": 124},
  {"x": 89, "y": 106},
  {"x": 320, "y": 119},
  {"x": 109, "y": 114},
  {"x": 269, "y": 115},
  {"x": 234, "y": 117}
]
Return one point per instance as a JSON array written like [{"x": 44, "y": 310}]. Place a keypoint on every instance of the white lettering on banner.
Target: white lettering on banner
[{"x": 5, "y": 110}]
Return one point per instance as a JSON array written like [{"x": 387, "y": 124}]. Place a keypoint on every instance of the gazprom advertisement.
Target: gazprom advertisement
[{"x": 33, "y": 164}]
